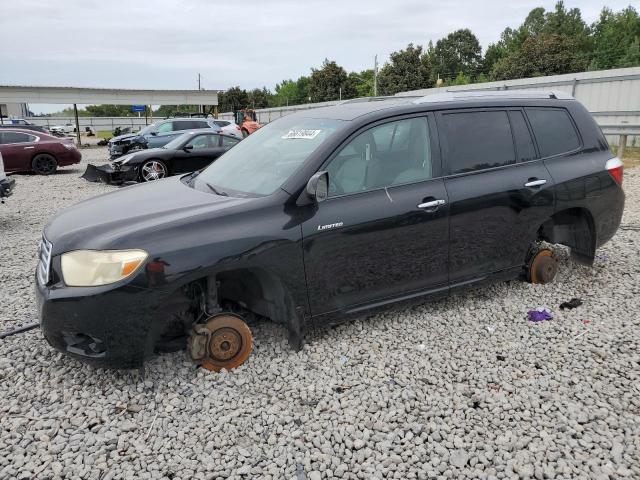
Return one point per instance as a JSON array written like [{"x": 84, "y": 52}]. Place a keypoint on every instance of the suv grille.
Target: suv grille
[{"x": 45, "y": 261}]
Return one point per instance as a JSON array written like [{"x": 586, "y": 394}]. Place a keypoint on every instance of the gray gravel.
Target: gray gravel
[{"x": 460, "y": 388}]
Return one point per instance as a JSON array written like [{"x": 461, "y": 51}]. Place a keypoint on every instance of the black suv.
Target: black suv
[{"x": 327, "y": 213}]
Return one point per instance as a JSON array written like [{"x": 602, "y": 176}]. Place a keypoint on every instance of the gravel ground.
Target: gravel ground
[{"x": 460, "y": 388}]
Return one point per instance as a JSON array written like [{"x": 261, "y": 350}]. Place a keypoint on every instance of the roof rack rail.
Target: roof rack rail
[{"x": 452, "y": 96}]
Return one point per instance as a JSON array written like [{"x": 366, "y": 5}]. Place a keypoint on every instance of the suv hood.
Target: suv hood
[{"x": 134, "y": 216}]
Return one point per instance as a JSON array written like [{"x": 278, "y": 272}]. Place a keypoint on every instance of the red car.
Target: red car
[{"x": 27, "y": 150}]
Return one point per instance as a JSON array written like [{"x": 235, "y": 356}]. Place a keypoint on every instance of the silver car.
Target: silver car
[{"x": 229, "y": 128}]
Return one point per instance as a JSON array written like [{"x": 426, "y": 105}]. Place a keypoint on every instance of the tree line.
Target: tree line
[{"x": 546, "y": 43}]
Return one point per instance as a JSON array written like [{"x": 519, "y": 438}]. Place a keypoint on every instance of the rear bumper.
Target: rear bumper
[
  {"x": 107, "y": 174},
  {"x": 6, "y": 187}
]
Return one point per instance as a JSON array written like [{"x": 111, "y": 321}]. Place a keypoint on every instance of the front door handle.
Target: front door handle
[
  {"x": 28, "y": 148},
  {"x": 535, "y": 183},
  {"x": 432, "y": 204}
]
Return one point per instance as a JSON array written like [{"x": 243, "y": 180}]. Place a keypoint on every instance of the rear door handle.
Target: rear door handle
[
  {"x": 431, "y": 204},
  {"x": 535, "y": 183}
]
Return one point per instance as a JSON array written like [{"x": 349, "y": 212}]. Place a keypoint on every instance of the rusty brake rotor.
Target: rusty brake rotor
[
  {"x": 542, "y": 267},
  {"x": 223, "y": 341}
]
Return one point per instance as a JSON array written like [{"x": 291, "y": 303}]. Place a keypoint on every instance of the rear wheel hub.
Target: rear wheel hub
[{"x": 542, "y": 267}]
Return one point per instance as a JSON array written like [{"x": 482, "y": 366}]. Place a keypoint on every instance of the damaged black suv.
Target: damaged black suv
[{"x": 327, "y": 213}]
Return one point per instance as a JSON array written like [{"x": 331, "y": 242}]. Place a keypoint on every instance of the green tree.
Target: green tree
[
  {"x": 494, "y": 52},
  {"x": 362, "y": 82},
  {"x": 289, "y": 92},
  {"x": 407, "y": 69},
  {"x": 234, "y": 98},
  {"x": 458, "y": 52},
  {"x": 614, "y": 35},
  {"x": 169, "y": 110},
  {"x": 259, "y": 98},
  {"x": 541, "y": 55},
  {"x": 109, "y": 111},
  {"x": 330, "y": 82}
]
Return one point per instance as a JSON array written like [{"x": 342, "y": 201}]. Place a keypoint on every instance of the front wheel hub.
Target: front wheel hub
[{"x": 223, "y": 341}]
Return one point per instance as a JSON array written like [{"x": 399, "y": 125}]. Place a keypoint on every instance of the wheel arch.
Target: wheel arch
[{"x": 575, "y": 228}]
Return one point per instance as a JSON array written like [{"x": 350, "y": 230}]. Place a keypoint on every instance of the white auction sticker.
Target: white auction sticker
[{"x": 302, "y": 133}]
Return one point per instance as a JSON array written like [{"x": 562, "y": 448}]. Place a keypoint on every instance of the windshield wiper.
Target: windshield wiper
[{"x": 221, "y": 193}]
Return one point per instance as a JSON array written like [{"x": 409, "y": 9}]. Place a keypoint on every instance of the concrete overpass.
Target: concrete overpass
[{"x": 17, "y": 94}]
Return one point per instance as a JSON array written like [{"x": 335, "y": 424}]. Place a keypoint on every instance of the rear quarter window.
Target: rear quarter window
[{"x": 554, "y": 130}]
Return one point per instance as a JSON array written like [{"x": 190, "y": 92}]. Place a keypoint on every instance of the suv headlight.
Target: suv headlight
[{"x": 91, "y": 268}]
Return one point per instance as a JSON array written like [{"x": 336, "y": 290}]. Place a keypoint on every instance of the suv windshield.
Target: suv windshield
[
  {"x": 148, "y": 129},
  {"x": 263, "y": 161}
]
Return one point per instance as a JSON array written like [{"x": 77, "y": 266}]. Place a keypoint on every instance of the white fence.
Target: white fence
[
  {"x": 98, "y": 123},
  {"x": 612, "y": 97}
]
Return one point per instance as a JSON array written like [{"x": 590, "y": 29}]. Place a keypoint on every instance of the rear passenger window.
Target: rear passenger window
[
  {"x": 524, "y": 143},
  {"x": 478, "y": 140},
  {"x": 554, "y": 130}
]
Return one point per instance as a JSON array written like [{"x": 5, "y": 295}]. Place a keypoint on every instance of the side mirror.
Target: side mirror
[
  {"x": 187, "y": 148},
  {"x": 318, "y": 186},
  {"x": 154, "y": 133}
]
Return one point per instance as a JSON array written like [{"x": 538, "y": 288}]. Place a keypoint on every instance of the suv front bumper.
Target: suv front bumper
[
  {"x": 108, "y": 174},
  {"x": 102, "y": 327}
]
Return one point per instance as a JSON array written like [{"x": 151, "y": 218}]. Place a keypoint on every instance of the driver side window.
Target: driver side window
[
  {"x": 390, "y": 154},
  {"x": 200, "y": 142}
]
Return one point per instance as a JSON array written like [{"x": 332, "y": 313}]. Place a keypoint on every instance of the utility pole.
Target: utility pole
[
  {"x": 199, "y": 83},
  {"x": 75, "y": 114},
  {"x": 340, "y": 93},
  {"x": 375, "y": 76}
]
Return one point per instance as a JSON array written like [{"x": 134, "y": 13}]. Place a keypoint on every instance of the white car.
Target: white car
[
  {"x": 229, "y": 128},
  {"x": 62, "y": 129}
]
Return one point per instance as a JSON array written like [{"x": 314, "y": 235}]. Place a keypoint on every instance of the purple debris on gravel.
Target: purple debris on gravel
[{"x": 539, "y": 315}]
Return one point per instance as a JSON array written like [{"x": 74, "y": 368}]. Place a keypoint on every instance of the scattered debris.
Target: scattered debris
[
  {"x": 491, "y": 328},
  {"x": 343, "y": 359},
  {"x": 602, "y": 256},
  {"x": 300, "y": 475},
  {"x": 422, "y": 347},
  {"x": 581, "y": 334},
  {"x": 586, "y": 322},
  {"x": 494, "y": 387},
  {"x": 540, "y": 315},
  {"x": 571, "y": 304},
  {"x": 14, "y": 331},
  {"x": 341, "y": 388},
  {"x": 502, "y": 358},
  {"x": 129, "y": 408},
  {"x": 151, "y": 427},
  {"x": 310, "y": 403}
]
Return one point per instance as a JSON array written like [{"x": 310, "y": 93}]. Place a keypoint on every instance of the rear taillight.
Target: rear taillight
[
  {"x": 615, "y": 167},
  {"x": 238, "y": 128}
]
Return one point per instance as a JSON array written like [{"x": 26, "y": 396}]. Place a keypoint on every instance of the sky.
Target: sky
[{"x": 164, "y": 44}]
